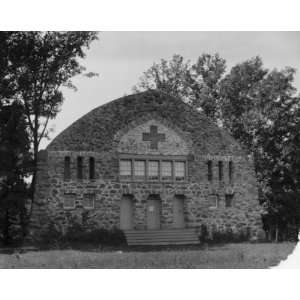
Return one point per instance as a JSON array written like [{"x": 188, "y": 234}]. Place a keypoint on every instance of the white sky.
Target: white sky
[{"x": 120, "y": 58}]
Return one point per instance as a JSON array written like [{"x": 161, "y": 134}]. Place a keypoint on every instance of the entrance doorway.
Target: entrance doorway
[
  {"x": 178, "y": 211},
  {"x": 153, "y": 212},
  {"x": 126, "y": 212}
]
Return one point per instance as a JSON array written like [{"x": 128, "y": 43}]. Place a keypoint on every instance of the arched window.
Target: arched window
[{"x": 67, "y": 168}]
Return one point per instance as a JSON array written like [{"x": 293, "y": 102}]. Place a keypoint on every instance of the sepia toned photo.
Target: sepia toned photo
[{"x": 149, "y": 150}]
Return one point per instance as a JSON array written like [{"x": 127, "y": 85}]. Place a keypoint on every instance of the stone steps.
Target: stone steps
[{"x": 162, "y": 237}]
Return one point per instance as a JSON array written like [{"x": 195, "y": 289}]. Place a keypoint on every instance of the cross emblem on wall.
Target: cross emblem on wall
[{"x": 153, "y": 137}]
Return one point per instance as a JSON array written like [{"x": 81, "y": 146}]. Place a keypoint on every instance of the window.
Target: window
[
  {"x": 228, "y": 200},
  {"x": 209, "y": 171},
  {"x": 88, "y": 200},
  {"x": 213, "y": 201},
  {"x": 139, "y": 169},
  {"x": 153, "y": 170},
  {"x": 166, "y": 170},
  {"x": 92, "y": 168},
  {"x": 179, "y": 170},
  {"x": 220, "y": 165},
  {"x": 67, "y": 168},
  {"x": 79, "y": 167},
  {"x": 125, "y": 169},
  {"x": 69, "y": 201},
  {"x": 230, "y": 171}
]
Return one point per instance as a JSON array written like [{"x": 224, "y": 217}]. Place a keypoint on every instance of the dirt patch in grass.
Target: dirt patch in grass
[{"x": 242, "y": 255}]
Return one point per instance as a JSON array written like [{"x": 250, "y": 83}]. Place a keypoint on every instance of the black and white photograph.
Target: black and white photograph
[{"x": 149, "y": 150}]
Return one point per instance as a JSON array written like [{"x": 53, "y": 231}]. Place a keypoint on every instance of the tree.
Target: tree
[
  {"x": 197, "y": 84},
  {"x": 36, "y": 66},
  {"x": 15, "y": 160}
]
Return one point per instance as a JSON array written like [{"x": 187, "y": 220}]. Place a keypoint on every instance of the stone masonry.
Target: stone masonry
[{"x": 117, "y": 128}]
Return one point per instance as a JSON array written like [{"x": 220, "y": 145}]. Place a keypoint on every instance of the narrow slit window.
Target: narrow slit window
[
  {"x": 67, "y": 168},
  {"x": 153, "y": 170},
  {"x": 139, "y": 169},
  {"x": 92, "y": 168},
  {"x": 79, "y": 167},
  {"x": 221, "y": 175},
  {"x": 209, "y": 171},
  {"x": 230, "y": 171},
  {"x": 179, "y": 170},
  {"x": 166, "y": 170}
]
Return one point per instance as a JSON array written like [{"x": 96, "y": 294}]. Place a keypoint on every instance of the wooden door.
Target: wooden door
[
  {"x": 126, "y": 212},
  {"x": 153, "y": 213},
  {"x": 178, "y": 212}
]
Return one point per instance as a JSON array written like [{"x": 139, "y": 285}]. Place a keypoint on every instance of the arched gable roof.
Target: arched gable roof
[{"x": 96, "y": 130}]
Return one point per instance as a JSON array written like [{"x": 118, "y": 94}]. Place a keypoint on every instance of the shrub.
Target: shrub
[
  {"x": 77, "y": 234},
  {"x": 216, "y": 236}
]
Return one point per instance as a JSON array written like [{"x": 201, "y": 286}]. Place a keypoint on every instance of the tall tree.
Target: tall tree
[
  {"x": 15, "y": 163},
  {"x": 37, "y": 65}
]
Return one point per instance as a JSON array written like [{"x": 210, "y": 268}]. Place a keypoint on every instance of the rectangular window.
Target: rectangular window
[
  {"x": 228, "y": 200},
  {"x": 220, "y": 165},
  {"x": 209, "y": 170},
  {"x": 166, "y": 170},
  {"x": 88, "y": 200},
  {"x": 125, "y": 169},
  {"x": 67, "y": 168},
  {"x": 179, "y": 170},
  {"x": 92, "y": 168},
  {"x": 69, "y": 201},
  {"x": 79, "y": 167},
  {"x": 153, "y": 170},
  {"x": 214, "y": 201},
  {"x": 230, "y": 171},
  {"x": 139, "y": 169}
]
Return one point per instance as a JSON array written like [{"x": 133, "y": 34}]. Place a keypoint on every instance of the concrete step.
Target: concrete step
[{"x": 162, "y": 237}]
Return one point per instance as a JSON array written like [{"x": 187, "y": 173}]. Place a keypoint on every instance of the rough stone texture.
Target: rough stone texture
[{"x": 117, "y": 127}]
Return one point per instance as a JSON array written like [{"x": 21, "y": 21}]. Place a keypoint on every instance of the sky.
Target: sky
[{"x": 120, "y": 58}]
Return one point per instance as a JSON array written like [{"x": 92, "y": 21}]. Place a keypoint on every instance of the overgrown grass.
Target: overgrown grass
[{"x": 242, "y": 255}]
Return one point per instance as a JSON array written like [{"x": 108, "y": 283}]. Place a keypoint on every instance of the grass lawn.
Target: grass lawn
[{"x": 242, "y": 255}]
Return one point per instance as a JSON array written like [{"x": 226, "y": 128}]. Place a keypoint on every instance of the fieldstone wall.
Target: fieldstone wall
[{"x": 117, "y": 128}]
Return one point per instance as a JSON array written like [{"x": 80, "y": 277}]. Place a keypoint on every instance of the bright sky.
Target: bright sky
[{"x": 120, "y": 58}]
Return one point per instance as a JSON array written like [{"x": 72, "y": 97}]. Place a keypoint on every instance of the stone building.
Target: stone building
[{"x": 144, "y": 162}]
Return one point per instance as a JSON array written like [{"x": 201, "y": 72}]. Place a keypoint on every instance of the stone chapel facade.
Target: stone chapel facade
[{"x": 146, "y": 161}]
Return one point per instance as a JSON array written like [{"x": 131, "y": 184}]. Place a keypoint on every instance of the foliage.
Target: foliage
[
  {"x": 79, "y": 234},
  {"x": 197, "y": 84},
  {"x": 217, "y": 236},
  {"x": 15, "y": 161},
  {"x": 34, "y": 67},
  {"x": 259, "y": 107}
]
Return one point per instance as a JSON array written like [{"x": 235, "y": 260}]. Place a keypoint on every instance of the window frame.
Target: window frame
[
  {"x": 69, "y": 207},
  {"x": 93, "y": 198},
  {"x": 160, "y": 159},
  {"x": 80, "y": 167},
  {"x": 67, "y": 168},
  {"x": 92, "y": 168},
  {"x": 221, "y": 170}
]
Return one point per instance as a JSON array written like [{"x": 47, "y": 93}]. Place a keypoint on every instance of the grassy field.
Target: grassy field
[{"x": 242, "y": 255}]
